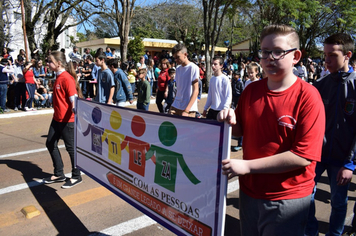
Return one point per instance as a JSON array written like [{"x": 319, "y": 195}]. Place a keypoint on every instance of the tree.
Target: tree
[
  {"x": 214, "y": 13},
  {"x": 62, "y": 12},
  {"x": 53, "y": 16},
  {"x": 136, "y": 48},
  {"x": 124, "y": 11}
]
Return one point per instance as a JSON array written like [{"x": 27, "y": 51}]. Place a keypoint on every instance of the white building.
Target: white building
[{"x": 13, "y": 21}]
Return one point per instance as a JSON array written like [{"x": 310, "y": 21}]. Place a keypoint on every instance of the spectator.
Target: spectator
[
  {"x": 5, "y": 68},
  {"x": 39, "y": 72},
  {"x": 131, "y": 74},
  {"x": 143, "y": 91},
  {"x": 74, "y": 55},
  {"x": 280, "y": 151},
  {"x": 141, "y": 64},
  {"x": 172, "y": 89},
  {"x": 302, "y": 71},
  {"x": 187, "y": 76},
  {"x": 219, "y": 95},
  {"x": 19, "y": 85},
  {"x": 252, "y": 73},
  {"x": 6, "y": 55},
  {"x": 150, "y": 74},
  {"x": 108, "y": 53},
  {"x": 88, "y": 77},
  {"x": 21, "y": 56},
  {"x": 31, "y": 85},
  {"x": 162, "y": 89},
  {"x": 106, "y": 83}
]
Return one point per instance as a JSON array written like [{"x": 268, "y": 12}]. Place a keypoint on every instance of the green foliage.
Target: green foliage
[{"x": 135, "y": 48}]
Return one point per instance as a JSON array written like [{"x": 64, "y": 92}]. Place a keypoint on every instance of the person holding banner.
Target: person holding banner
[
  {"x": 65, "y": 90},
  {"x": 282, "y": 120}
]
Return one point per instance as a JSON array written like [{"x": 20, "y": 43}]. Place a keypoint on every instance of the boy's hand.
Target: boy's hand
[
  {"x": 344, "y": 176},
  {"x": 227, "y": 115},
  {"x": 234, "y": 167}
]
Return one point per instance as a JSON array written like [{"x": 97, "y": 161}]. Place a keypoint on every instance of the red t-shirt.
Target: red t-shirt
[
  {"x": 162, "y": 80},
  {"x": 63, "y": 88},
  {"x": 275, "y": 122},
  {"x": 28, "y": 75}
]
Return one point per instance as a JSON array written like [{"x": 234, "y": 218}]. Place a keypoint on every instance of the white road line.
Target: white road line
[{"x": 26, "y": 152}]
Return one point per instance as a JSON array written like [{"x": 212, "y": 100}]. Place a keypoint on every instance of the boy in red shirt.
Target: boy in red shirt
[{"x": 282, "y": 121}]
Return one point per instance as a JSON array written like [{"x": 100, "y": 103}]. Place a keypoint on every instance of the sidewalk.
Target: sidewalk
[{"x": 19, "y": 113}]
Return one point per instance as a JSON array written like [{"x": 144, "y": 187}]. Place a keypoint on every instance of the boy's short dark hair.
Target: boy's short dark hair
[
  {"x": 282, "y": 30},
  {"x": 236, "y": 72},
  {"x": 171, "y": 71},
  {"x": 220, "y": 59},
  {"x": 343, "y": 40},
  {"x": 179, "y": 48},
  {"x": 113, "y": 62},
  {"x": 100, "y": 55}
]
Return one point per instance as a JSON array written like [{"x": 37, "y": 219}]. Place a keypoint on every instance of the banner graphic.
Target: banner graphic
[{"x": 168, "y": 167}]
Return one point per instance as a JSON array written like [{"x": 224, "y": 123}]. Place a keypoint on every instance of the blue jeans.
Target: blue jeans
[
  {"x": 3, "y": 93},
  {"x": 338, "y": 202}
]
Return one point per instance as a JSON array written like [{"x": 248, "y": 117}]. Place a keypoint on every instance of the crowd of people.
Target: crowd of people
[{"x": 296, "y": 121}]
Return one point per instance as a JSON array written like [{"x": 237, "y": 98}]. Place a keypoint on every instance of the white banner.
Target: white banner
[{"x": 168, "y": 167}]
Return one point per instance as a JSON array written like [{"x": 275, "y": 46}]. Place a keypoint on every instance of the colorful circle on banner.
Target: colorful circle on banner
[
  {"x": 167, "y": 133},
  {"x": 138, "y": 126},
  {"x": 115, "y": 120},
  {"x": 96, "y": 115}
]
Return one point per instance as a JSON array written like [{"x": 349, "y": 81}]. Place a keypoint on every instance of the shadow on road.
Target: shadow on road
[{"x": 57, "y": 211}]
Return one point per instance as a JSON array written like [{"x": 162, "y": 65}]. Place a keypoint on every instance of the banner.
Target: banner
[{"x": 166, "y": 166}]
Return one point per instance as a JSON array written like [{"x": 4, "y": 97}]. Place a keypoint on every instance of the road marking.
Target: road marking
[
  {"x": 26, "y": 152},
  {"x": 26, "y": 185}
]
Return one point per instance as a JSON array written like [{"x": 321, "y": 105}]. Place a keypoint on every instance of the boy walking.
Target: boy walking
[
  {"x": 123, "y": 90},
  {"x": 219, "y": 95},
  {"x": 106, "y": 83},
  {"x": 282, "y": 121},
  {"x": 338, "y": 154},
  {"x": 187, "y": 76},
  {"x": 144, "y": 91}
]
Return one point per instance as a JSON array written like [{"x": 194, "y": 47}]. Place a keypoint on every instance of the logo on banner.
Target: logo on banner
[{"x": 166, "y": 160}]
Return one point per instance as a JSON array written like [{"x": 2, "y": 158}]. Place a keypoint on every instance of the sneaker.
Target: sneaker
[
  {"x": 350, "y": 233},
  {"x": 49, "y": 180},
  {"x": 237, "y": 148},
  {"x": 72, "y": 182},
  {"x": 27, "y": 109},
  {"x": 16, "y": 109}
]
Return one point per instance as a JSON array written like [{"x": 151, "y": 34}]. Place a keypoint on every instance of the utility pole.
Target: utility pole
[{"x": 24, "y": 28}]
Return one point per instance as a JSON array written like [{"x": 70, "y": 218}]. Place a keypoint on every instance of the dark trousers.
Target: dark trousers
[
  {"x": 212, "y": 114},
  {"x": 142, "y": 106},
  {"x": 3, "y": 94},
  {"x": 65, "y": 131},
  {"x": 159, "y": 100}
]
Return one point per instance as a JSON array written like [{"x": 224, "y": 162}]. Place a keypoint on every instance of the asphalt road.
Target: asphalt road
[{"x": 89, "y": 208}]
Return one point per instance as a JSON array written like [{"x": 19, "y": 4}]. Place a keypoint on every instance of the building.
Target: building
[
  {"x": 243, "y": 46},
  {"x": 13, "y": 21}
]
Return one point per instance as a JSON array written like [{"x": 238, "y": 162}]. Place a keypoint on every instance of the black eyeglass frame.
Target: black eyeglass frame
[{"x": 270, "y": 52}]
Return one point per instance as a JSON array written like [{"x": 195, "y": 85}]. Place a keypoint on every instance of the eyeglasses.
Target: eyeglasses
[{"x": 276, "y": 54}]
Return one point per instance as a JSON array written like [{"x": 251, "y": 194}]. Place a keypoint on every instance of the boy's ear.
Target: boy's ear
[
  {"x": 297, "y": 56},
  {"x": 349, "y": 55}
]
